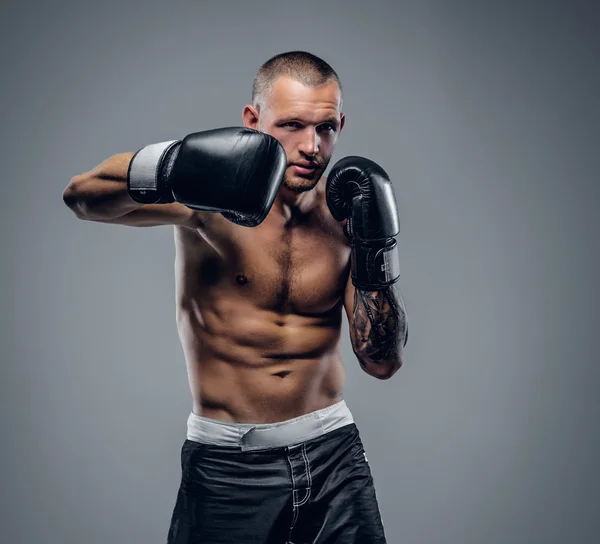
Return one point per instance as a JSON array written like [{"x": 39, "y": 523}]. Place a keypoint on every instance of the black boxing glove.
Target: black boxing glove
[
  {"x": 235, "y": 171},
  {"x": 360, "y": 190}
]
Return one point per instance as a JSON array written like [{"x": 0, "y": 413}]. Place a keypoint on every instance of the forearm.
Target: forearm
[
  {"x": 153, "y": 215},
  {"x": 378, "y": 330},
  {"x": 101, "y": 194}
]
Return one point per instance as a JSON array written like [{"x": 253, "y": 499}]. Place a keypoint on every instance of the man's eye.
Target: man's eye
[
  {"x": 292, "y": 124},
  {"x": 327, "y": 128}
]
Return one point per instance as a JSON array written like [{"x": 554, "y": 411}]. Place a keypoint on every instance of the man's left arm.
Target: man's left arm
[
  {"x": 378, "y": 328},
  {"x": 360, "y": 192}
]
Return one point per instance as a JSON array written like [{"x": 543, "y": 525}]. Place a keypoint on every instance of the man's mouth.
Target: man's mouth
[{"x": 304, "y": 168}]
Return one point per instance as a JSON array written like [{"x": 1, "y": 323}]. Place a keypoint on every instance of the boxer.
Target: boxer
[{"x": 269, "y": 255}]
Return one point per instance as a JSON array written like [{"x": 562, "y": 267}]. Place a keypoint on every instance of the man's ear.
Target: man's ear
[
  {"x": 342, "y": 121},
  {"x": 250, "y": 117}
]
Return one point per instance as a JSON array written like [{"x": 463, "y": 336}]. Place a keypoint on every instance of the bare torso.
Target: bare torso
[{"x": 259, "y": 313}]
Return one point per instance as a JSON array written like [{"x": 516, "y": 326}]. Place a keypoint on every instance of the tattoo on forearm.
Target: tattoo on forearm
[{"x": 379, "y": 325}]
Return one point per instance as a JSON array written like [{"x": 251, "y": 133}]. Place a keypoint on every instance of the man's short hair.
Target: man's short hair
[{"x": 301, "y": 66}]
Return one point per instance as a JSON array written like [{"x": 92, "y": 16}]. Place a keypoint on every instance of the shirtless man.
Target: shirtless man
[{"x": 268, "y": 252}]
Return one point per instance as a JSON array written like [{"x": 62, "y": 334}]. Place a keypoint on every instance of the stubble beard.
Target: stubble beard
[{"x": 298, "y": 184}]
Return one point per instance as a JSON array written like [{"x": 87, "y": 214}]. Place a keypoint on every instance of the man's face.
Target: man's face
[{"x": 307, "y": 122}]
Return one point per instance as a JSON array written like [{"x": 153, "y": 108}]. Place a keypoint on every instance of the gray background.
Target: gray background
[{"x": 485, "y": 114}]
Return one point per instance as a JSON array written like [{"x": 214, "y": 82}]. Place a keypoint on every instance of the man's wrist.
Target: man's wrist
[
  {"x": 374, "y": 265},
  {"x": 148, "y": 173}
]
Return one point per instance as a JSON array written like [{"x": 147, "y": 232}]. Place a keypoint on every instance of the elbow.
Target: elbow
[
  {"x": 389, "y": 370},
  {"x": 71, "y": 197},
  {"x": 382, "y": 370}
]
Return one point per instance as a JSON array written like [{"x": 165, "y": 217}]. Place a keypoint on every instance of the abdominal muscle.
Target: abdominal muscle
[{"x": 249, "y": 365}]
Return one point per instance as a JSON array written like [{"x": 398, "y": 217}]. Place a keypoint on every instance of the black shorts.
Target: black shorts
[{"x": 320, "y": 491}]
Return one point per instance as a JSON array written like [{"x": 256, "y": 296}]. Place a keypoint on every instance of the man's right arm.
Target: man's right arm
[
  {"x": 101, "y": 195},
  {"x": 233, "y": 171}
]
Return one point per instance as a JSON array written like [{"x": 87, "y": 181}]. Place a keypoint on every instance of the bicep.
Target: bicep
[{"x": 349, "y": 299}]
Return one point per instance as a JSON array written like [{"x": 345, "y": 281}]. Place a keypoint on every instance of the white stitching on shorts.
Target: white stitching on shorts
[
  {"x": 308, "y": 476},
  {"x": 296, "y": 504},
  {"x": 291, "y": 471}
]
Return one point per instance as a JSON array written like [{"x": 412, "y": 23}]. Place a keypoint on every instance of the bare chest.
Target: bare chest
[
  {"x": 300, "y": 269},
  {"x": 295, "y": 270}
]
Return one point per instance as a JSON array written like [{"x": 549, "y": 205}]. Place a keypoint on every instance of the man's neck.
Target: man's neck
[{"x": 288, "y": 204}]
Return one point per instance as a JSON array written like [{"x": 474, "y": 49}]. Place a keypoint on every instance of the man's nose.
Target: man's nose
[{"x": 310, "y": 143}]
